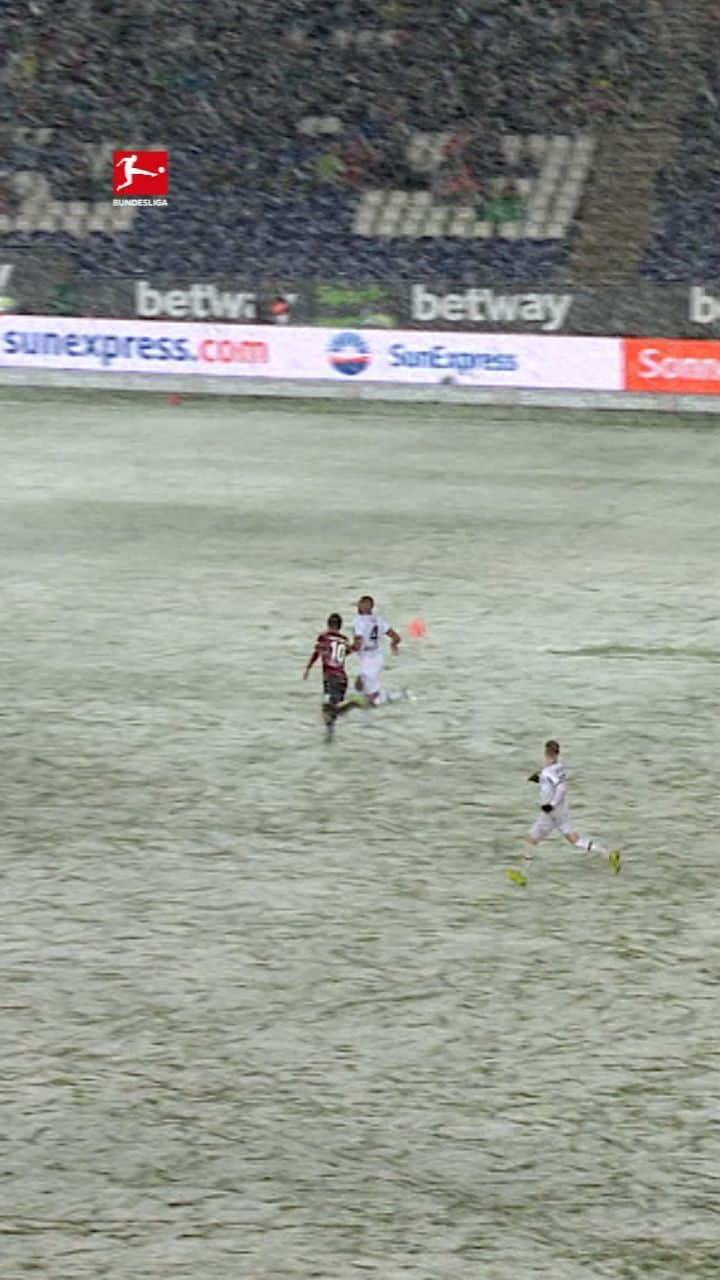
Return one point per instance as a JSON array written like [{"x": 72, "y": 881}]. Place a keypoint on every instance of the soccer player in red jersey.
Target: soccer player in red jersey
[{"x": 332, "y": 648}]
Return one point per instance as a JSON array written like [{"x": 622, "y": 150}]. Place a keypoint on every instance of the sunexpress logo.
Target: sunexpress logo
[
  {"x": 447, "y": 359},
  {"x": 349, "y": 353}
]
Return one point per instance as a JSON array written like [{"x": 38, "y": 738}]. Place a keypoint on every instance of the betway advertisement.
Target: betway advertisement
[
  {"x": 342, "y": 355},
  {"x": 47, "y": 283}
]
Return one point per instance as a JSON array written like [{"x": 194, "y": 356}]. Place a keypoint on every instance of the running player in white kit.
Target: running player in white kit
[
  {"x": 369, "y": 629},
  {"x": 554, "y": 814}
]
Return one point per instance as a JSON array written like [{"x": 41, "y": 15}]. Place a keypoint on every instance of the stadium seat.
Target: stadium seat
[
  {"x": 75, "y": 218},
  {"x": 391, "y": 215},
  {"x": 100, "y": 218},
  {"x": 462, "y": 222},
  {"x": 416, "y": 212},
  {"x": 122, "y": 218},
  {"x": 49, "y": 217},
  {"x": 366, "y": 213},
  {"x": 29, "y": 214}
]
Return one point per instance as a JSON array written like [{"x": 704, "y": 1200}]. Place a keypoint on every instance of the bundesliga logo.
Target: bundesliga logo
[{"x": 140, "y": 177}]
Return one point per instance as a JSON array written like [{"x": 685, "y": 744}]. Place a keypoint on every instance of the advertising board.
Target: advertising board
[
  {"x": 263, "y": 351},
  {"x": 46, "y": 283},
  {"x": 675, "y": 366}
]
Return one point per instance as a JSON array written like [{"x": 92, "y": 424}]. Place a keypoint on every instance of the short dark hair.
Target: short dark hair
[
  {"x": 552, "y": 747},
  {"x": 367, "y": 599},
  {"x": 334, "y": 622}
]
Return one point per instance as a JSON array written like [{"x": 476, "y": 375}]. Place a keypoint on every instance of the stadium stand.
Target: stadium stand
[
  {"x": 354, "y": 138},
  {"x": 684, "y": 241}
]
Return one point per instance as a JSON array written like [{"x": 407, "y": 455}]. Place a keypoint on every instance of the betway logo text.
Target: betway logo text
[
  {"x": 547, "y": 311},
  {"x": 704, "y": 307},
  {"x": 7, "y": 303},
  {"x": 196, "y": 302}
]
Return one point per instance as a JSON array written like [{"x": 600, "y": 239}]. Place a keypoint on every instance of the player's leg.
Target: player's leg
[
  {"x": 328, "y": 711},
  {"x": 359, "y": 681},
  {"x": 333, "y": 694},
  {"x": 354, "y": 700},
  {"x": 343, "y": 703},
  {"x": 581, "y": 842},
  {"x": 336, "y": 689},
  {"x": 370, "y": 671},
  {"x": 372, "y": 678},
  {"x": 587, "y": 845},
  {"x": 338, "y": 692},
  {"x": 357, "y": 699},
  {"x": 539, "y": 831},
  {"x": 387, "y": 695}
]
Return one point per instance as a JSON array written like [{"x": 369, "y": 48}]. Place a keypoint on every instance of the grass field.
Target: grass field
[{"x": 273, "y": 1010}]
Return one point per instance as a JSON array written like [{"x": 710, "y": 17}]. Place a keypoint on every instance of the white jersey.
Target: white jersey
[
  {"x": 553, "y": 785},
  {"x": 371, "y": 630}
]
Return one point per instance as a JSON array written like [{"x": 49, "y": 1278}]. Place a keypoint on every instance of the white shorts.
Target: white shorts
[
  {"x": 558, "y": 820},
  {"x": 371, "y": 665}
]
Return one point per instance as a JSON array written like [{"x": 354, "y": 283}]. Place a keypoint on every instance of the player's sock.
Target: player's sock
[
  {"x": 384, "y": 697},
  {"x": 590, "y": 846},
  {"x": 354, "y": 700}
]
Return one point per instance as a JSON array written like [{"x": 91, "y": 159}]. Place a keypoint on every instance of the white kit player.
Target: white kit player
[
  {"x": 554, "y": 814},
  {"x": 369, "y": 630}
]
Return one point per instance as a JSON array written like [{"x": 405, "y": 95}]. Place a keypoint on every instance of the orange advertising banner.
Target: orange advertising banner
[{"x": 672, "y": 365}]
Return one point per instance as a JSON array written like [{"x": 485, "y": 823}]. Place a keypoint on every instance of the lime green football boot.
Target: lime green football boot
[{"x": 517, "y": 877}]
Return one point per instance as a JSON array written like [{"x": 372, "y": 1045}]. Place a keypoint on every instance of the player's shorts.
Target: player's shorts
[
  {"x": 370, "y": 669},
  {"x": 558, "y": 820},
  {"x": 334, "y": 689}
]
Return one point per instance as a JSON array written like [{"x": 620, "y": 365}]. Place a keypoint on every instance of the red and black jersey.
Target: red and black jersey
[{"x": 332, "y": 648}]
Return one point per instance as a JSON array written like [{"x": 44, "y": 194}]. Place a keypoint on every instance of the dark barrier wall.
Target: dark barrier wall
[{"x": 45, "y": 285}]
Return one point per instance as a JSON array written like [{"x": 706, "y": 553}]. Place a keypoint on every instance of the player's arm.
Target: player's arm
[
  {"x": 311, "y": 662},
  {"x": 394, "y": 639},
  {"x": 535, "y": 777}
]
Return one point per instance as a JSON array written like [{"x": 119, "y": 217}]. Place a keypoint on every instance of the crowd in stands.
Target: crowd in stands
[
  {"x": 276, "y": 115},
  {"x": 686, "y": 241}
]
